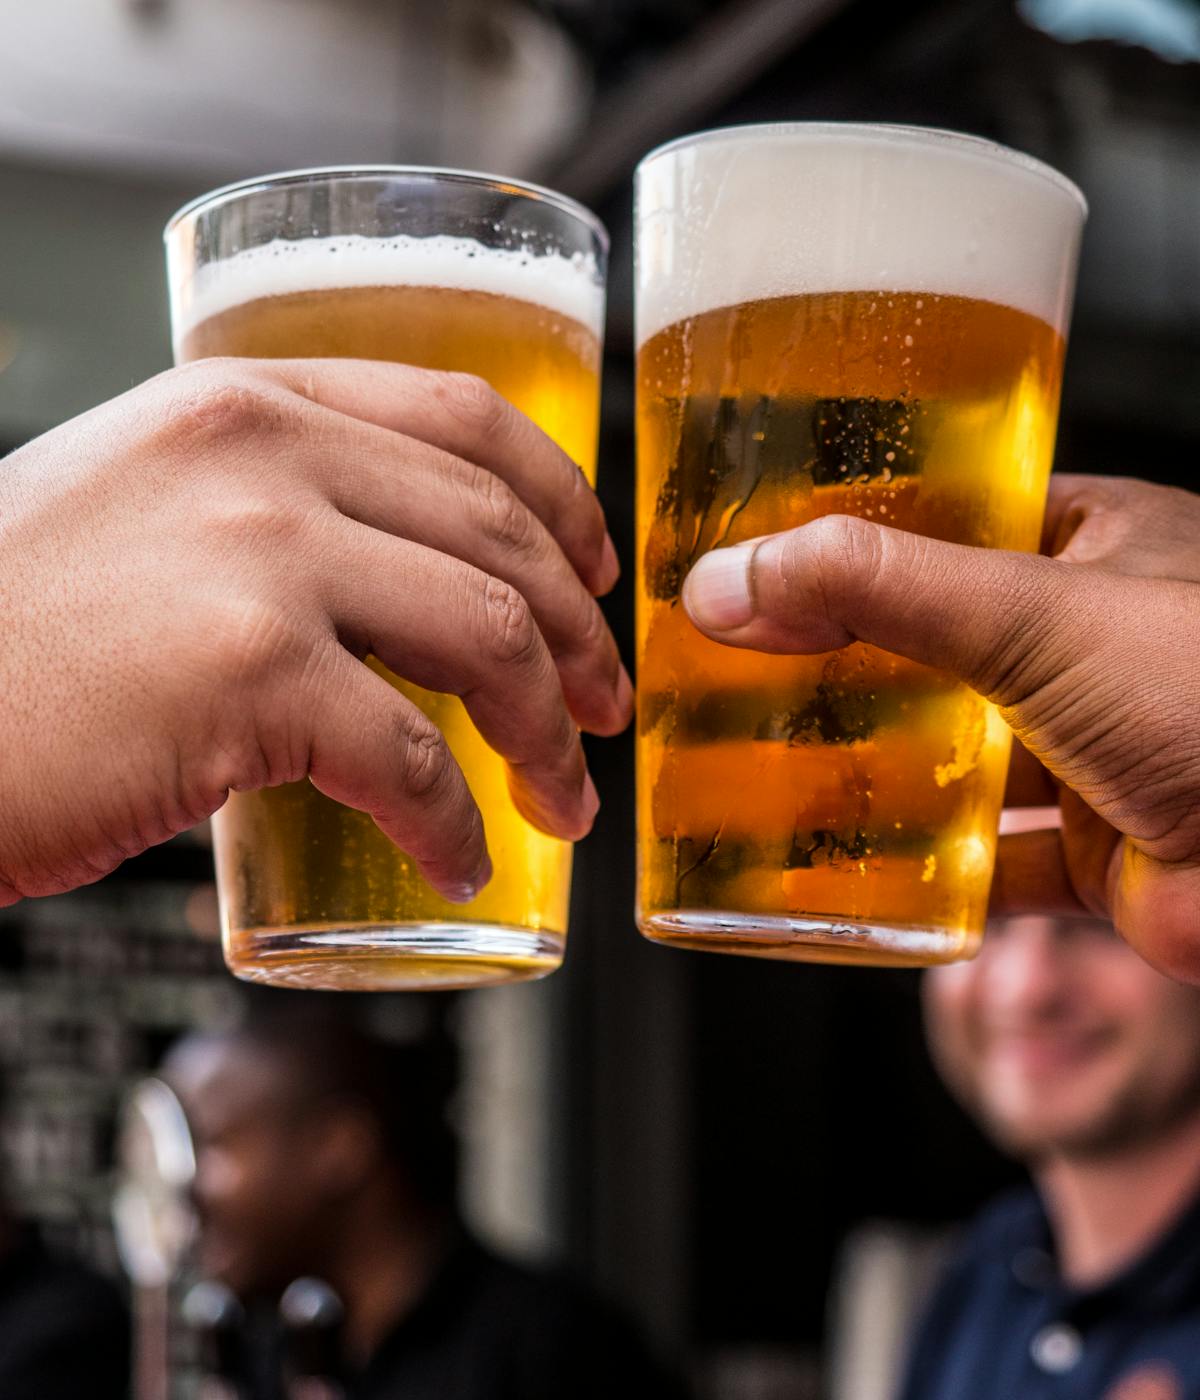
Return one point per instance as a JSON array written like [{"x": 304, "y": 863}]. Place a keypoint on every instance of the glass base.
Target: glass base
[
  {"x": 393, "y": 958},
  {"x": 807, "y": 938}
]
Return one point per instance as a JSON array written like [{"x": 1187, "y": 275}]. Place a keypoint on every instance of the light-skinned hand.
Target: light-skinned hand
[{"x": 192, "y": 574}]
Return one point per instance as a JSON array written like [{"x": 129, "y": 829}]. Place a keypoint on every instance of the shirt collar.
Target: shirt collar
[
  {"x": 439, "y": 1306},
  {"x": 1162, "y": 1279}
]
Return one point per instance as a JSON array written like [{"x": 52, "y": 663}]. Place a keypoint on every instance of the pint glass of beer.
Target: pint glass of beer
[
  {"x": 449, "y": 271},
  {"x": 858, "y": 320}
]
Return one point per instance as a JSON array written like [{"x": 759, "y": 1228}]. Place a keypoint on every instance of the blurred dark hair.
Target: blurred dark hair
[{"x": 405, "y": 1086}]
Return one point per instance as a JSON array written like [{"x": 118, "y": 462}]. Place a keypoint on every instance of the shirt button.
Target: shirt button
[{"x": 1056, "y": 1348}]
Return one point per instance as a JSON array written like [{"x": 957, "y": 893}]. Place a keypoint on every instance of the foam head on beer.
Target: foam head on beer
[
  {"x": 570, "y": 287},
  {"x": 852, "y": 320},
  {"x": 720, "y": 223}
]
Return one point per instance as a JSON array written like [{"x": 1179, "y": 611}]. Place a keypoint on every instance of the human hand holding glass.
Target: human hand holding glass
[
  {"x": 1090, "y": 653},
  {"x": 193, "y": 572}
]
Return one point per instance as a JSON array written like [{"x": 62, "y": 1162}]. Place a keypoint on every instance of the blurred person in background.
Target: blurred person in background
[
  {"x": 323, "y": 1151},
  {"x": 64, "y": 1327},
  {"x": 1083, "y": 1062}
]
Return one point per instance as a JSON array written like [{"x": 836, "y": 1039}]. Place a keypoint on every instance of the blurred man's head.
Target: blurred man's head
[
  {"x": 1062, "y": 1041},
  {"x": 301, "y": 1122}
]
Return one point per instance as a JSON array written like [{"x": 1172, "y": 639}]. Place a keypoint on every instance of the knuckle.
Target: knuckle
[
  {"x": 1015, "y": 666},
  {"x": 426, "y": 758},
  {"x": 474, "y": 403},
  {"x": 255, "y": 522},
  {"x": 846, "y": 551},
  {"x": 506, "y": 518},
  {"x": 510, "y": 635},
  {"x": 254, "y": 528},
  {"x": 217, "y": 405}
]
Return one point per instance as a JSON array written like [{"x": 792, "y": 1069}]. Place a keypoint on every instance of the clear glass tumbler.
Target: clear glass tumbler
[
  {"x": 447, "y": 270},
  {"x": 858, "y": 320}
]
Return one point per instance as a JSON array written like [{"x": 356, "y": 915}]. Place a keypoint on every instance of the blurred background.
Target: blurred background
[{"x": 710, "y": 1142}]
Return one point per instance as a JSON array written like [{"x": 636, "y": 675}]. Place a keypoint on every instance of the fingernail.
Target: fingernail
[
  {"x": 717, "y": 593},
  {"x": 591, "y": 798},
  {"x": 460, "y": 894},
  {"x": 470, "y": 889}
]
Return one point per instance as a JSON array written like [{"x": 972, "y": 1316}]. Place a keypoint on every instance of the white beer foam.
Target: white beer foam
[
  {"x": 756, "y": 212},
  {"x": 568, "y": 286}
]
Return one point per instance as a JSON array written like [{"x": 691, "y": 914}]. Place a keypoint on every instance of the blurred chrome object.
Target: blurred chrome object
[
  {"x": 152, "y": 1215},
  {"x": 153, "y": 1219},
  {"x": 217, "y": 1318},
  {"x": 312, "y": 1315}
]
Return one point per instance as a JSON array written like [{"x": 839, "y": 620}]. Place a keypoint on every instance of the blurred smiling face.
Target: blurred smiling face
[{"x": 1062, "y": 1041}]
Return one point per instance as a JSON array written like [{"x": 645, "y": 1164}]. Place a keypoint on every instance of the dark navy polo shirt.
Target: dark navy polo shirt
[{"x": 1002, "y": 1325}]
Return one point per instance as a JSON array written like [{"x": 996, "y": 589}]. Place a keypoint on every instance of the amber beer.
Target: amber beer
[
  {"x": 839, "y": 320},
  {"x": 312, "y": 893}
]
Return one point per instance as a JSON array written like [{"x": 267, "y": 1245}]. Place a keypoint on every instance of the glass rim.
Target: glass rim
[
  {"x": 433, "y": 174},
  {"x": 896, "y": 132}
]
